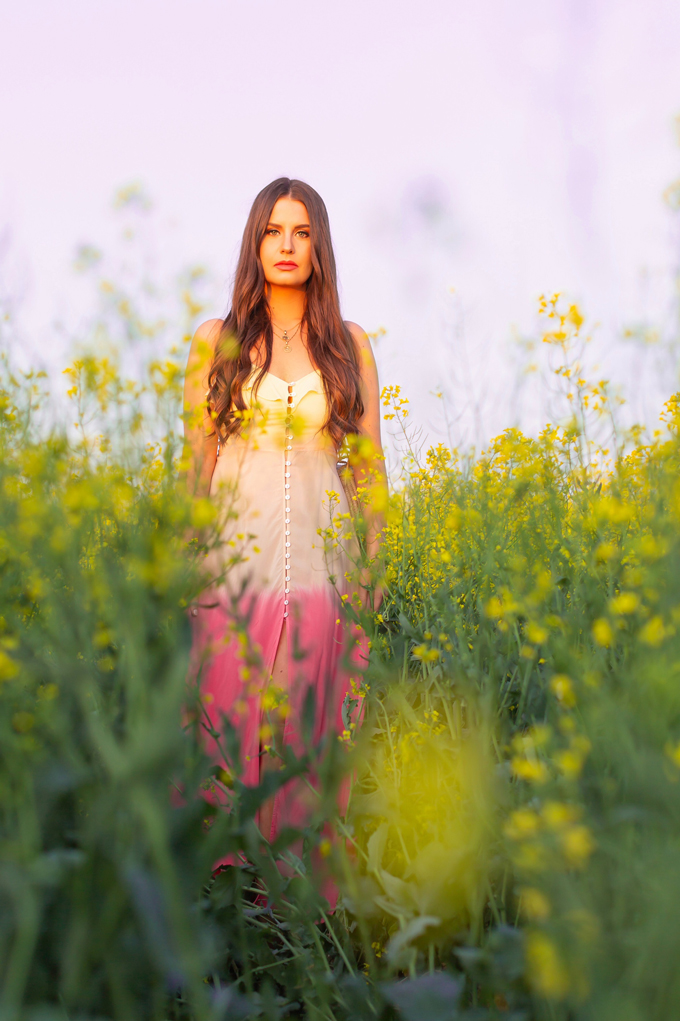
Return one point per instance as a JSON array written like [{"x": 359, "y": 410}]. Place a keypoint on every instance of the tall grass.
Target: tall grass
[{"x": 511, "y": 840}]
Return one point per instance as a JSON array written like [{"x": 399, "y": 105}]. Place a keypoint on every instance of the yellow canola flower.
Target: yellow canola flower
[
  {"x": 523, "y": 823},
  {"x": 8, "y": 668},
  {"x": 557, "y": 815},
  {"x": 654, "y": 632},
  {"x": 624, "y": 603},
  {"x": 534, "y": 904},
  {"x": 578, "y": 845},
  {"x": 536, "y": 737},
  {"x": 563, "y": 689},
  {"x": 570, "y": 761},
  {"x": 534, "y": 770},
  {"x": 602, "y": 632},
  {"x": 546, "y": 972},
  {"x": 536, "y": 634},
  {"x": 426, "y": 655},
  {"x": 203, "y": 513}
]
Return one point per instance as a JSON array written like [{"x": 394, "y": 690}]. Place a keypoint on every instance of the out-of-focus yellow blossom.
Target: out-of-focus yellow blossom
[
  {"x": 546, "y": 971},
  {"x": 624, "y": 603},
  {"x": 534, "y": 904},
  {"x": 563, "y": 689},
  {"x": 602, "y": 632},
  {"x": 578, "y": 845},
  {"x": 654, "y": 632}
]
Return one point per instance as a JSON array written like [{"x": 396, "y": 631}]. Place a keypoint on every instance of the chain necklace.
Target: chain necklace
[{"x": 286, "y": 337}]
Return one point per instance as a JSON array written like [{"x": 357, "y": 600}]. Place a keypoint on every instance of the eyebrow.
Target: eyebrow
[{"x": 298, "y": 227}]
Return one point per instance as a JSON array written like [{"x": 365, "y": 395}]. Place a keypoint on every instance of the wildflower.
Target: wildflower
[
  {"x": 8, "y": 668},
  {"x": 563, "y": 689},
  {"x": 654, "y": 632},
  {"x": 225, "y": 777},
  {"x": 536, "y": 634},
  {"x": 570, "y": 761},
  {"x": 602, "y": 632},
  {"x": 203, "y": 513},
  {"x": 557, "y": 814},
  {"x": 535, "y": 905},
  {"x": 522, "y": 823},
  {"x": 578, "y": 845},
  {"x": 624, "y": 603},
  {"x": 533, "y": 770},
  {"x": 546, "y": 971}
]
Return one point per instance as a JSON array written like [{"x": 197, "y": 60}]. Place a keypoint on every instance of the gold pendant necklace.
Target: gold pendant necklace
[{"x": 285, "y": 337}]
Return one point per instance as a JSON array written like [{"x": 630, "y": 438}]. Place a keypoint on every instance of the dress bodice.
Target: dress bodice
[{"x": 302, "y": 402}]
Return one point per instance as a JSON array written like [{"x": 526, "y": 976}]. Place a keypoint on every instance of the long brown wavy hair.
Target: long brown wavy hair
[{"x": 329, "y": 342}]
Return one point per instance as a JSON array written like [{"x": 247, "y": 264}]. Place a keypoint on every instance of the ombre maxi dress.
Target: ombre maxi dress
[{"x": 279, "y": 477}]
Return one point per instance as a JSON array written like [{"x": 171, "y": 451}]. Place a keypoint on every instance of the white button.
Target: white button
[
  {"x": 287, "y": 522},
  {"x": 287, "y": 485},
  {"x": 285, "y": 602},
  {"x": 287, "y": 544},
  {"x": 287, "y": 530},
  {"x": 286, "y": 613},
  {"x": 286, "y": 475},
  {"x": 287, "y": 556},
  {"x": 287, "y": 463},
  {"x": 289, "y": 438},
  {"x": 286, "y": 590}
]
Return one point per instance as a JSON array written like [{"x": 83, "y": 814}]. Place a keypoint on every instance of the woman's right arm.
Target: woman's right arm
[{"x": 199, "y": 432}]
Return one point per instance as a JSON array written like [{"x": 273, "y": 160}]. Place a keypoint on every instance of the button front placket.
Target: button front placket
[{"x": 287, "y": 493}]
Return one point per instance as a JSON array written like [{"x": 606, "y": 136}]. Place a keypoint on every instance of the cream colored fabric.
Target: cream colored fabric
[{"x": 258, "y": 469}]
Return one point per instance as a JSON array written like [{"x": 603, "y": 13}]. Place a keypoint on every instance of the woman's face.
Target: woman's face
[{"x": 286, "y": 249}]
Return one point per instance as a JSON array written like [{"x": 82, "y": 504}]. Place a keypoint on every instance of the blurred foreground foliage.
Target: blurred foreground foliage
[{"x": 511, "y": 844}]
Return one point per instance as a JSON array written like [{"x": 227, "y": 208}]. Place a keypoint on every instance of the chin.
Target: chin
[{"x": 287, "y": 279}]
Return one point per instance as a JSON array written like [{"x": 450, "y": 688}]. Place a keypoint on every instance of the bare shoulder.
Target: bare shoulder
[
  {"x": 209, "y": 331},
  {"x": 359, "y": 335},
  {"x": 204, "y": 341},
  {"x": 200, "y": 359},
  {"x": 363, "y": 346}
]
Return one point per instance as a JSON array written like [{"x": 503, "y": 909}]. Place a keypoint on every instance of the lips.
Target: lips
[{"x": 286, "y": 265}]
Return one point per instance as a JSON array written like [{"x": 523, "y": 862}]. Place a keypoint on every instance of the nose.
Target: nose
[{"x": 287, "y": 246}]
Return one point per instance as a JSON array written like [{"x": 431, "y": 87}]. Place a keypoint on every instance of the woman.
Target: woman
[{"x": 271, "y": 392}]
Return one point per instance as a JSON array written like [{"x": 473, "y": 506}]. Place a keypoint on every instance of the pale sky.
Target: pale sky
[{"x": 497, "y": 149}]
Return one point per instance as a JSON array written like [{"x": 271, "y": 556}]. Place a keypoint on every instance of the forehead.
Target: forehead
[{"x": 290, "y": 211}]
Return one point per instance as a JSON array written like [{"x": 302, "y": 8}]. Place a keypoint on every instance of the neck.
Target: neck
[{"x": 287, "y": 304}]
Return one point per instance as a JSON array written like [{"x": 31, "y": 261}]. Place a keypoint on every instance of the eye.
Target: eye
[
  {"x": 303, "y": 233},
  {"x": 272, "y": 231}
]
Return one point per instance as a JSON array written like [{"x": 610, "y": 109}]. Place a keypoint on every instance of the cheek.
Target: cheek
[{"x": 307, "y": 256}]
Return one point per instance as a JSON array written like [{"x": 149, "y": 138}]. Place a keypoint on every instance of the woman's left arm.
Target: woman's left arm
[{"x": 368, "y": 461}]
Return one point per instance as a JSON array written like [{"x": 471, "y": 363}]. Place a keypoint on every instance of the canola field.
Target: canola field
[{"x": 511, "y": 844}]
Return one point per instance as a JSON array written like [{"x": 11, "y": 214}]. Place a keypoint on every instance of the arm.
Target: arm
[
  {"x": 199, "y": 434},
  {"x": 368, "y": 462}
]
